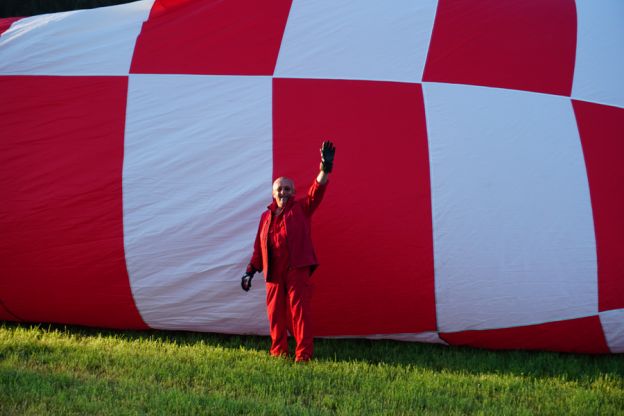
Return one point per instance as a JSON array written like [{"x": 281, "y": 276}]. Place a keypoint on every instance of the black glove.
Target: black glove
[
  {"x": 246, "y": 280},
  {"x": 327, "y": 156}
]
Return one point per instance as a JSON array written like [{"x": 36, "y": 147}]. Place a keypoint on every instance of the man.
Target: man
[{"x": 283, "y": 251}]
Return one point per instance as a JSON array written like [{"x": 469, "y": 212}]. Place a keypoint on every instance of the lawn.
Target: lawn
[{"x": 70, "y": 370}]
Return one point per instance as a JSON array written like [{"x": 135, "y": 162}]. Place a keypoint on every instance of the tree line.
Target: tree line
[{"x": 14, "y": 8}]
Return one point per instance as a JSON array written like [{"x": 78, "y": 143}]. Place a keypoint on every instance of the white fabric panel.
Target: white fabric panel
[
  {"x": 197, "y": 175},
  {"x": 600, "y": 52},
  {"x": 83, "y": 42},
  {"x": 366, "y": 39},
  {"x": 512, "y": 221},
  {"x": 613, "y": 328},
  {"x": 427, "y": 337}
]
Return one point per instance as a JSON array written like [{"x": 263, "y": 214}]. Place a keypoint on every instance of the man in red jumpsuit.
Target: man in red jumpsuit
[{"x": 283, "y": 251}]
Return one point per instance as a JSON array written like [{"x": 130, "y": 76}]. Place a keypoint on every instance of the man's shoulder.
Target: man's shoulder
[
  {"x": 266, "y": 215},
  {"x": 298, "y": 205}
]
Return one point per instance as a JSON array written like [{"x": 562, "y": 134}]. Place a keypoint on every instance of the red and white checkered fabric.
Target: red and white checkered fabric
[{"x": 479, "y": 184}]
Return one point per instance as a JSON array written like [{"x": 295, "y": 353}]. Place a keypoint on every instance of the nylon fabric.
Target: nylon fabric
[{"x": 476, "y": 196}]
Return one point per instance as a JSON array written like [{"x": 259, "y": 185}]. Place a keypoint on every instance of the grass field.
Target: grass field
[{"x": 69, "y": 370}]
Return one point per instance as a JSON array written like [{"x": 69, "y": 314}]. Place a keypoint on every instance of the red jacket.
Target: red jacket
[{"x": 297, "y": 215}]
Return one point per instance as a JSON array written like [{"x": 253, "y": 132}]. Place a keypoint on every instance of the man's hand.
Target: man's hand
[
  {"x": 328, "y": 151},
  {"x": 246, "y": 280}
]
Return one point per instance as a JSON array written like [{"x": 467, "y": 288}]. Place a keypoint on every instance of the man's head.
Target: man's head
[{"x": 283, "y": 190}]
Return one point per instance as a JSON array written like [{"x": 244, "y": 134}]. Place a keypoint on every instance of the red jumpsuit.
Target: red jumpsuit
[{"x": 283, "y": 250}]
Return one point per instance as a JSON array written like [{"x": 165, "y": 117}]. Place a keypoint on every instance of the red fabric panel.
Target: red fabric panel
[
  {"x": 6, "y": 23},
  {"x": 62, "y": 249},
  {"x": 162, "y": 7},
  {"x": 4, "y": 316},
  {"x": 234, "y": 37},
  {"x": 373, "y": 230},
  {"x": 7, "y": 315},
  {"x": 526, "y": 45},
  {"x": 602, "y": 135},
  {"x": 583, "y": 335}
]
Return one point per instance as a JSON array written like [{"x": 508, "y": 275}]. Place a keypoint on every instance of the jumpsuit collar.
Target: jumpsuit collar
[{"x": 273, "y": 206}]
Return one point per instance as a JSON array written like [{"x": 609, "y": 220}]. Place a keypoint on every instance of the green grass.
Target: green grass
[{"x": 69, "y": 370}]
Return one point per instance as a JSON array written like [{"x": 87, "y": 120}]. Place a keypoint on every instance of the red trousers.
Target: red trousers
[{"x": 288, "y": 308}]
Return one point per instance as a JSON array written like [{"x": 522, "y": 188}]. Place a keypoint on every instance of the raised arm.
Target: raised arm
[
  {"x": 317, "y": 190},
  {"x": 322, "y": 177}
]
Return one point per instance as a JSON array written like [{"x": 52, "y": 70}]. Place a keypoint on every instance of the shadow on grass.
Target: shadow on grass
[{"x": 433, "y": 357}]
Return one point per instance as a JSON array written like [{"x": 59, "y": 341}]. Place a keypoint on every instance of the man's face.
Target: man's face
[{"x": 283, "y": 188}]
